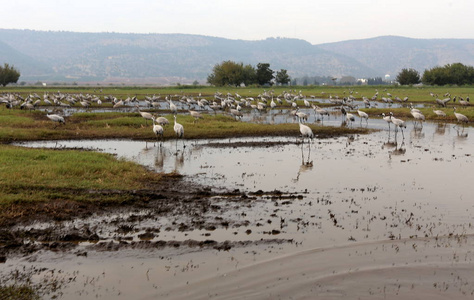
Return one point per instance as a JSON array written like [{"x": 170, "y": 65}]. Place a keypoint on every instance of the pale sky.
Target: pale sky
[{"x": 315, "y": 21}]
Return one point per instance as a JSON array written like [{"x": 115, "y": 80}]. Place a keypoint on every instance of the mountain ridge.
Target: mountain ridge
[{"x": 145, "y": 58}]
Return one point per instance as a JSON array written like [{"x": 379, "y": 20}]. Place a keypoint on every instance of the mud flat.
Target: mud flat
[{"x": 359, "y": 216}]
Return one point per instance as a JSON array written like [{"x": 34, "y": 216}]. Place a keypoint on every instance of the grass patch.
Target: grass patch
[
  {"x": 30, "y": 175},
  {"x": 132, "y": 126}
]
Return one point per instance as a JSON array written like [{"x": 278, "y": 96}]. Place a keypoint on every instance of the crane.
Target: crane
[
  {"x": 363, "y": 115},
  {"x": 157, "y": 130},
  {"x": 179, "y": 130},
  {"x": 56, "y": 118}
]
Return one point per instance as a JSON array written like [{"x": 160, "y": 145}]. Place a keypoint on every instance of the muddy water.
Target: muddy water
[{"x": 357, "y": 199}]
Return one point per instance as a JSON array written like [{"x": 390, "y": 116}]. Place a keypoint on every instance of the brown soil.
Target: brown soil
[{"x": 174, "y": 197}]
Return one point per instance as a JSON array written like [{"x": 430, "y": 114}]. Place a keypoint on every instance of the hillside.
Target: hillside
[
  {"x": 172, "y": 58},
  {"x": 390, "y": 54}
]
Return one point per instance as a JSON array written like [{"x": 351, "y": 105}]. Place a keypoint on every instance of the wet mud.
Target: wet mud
[{"x": 359, "y": 216}]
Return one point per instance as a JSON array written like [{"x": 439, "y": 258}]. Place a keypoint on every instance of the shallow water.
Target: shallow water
[{"x": 359, "y": 190}]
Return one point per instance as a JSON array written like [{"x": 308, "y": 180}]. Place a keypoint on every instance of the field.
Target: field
[{"x": 64, "y": 184}]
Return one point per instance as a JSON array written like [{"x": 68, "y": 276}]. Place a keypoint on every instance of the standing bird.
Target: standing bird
[
  {"x": 439, "y": 112},
  {"x": 56, "y": 118},
  {"x": 321, "y": 111},
  {"x": 350, "y": 118},
  {"x": 363, "y": 115},
  {"x": 305, "y": 131},
  {"x": 173, "y": 108},
  {"x": 460, "y": 117},
  {"x": 196, "y": 115},
  {"x": 179, "y": 130},
  {"x": 157, "y": 130},
  {"x": 162, "y": 121},
  {"x": 273, "y": 104},
  {"x": 418, "y": 117},
  {"x": 145, "y": 115},
  {"x": 398, "y": 124},
  {"x": 387, "y": 119}
]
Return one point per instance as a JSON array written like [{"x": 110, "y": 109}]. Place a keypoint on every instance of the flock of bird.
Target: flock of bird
[{"x": 232, "y": 104}]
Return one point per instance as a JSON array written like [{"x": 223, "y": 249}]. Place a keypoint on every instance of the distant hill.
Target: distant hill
[
  {"x": 390, "y": 54},
  {"x": 183, "y": 58}
]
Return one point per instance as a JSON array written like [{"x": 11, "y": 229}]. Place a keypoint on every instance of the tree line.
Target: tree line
[
  {"x": 235, "y": 74},
  {"x": 457, "y": 73}
]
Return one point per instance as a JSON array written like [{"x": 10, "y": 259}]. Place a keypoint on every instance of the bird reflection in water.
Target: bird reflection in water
[
  {"x": 160, "y": 156},
  {"x": 440, "y": 128},
  {"x": 417, "y": 133},
  {"x": 179, "y": 161},
  {"x": 399, "y": 150}
]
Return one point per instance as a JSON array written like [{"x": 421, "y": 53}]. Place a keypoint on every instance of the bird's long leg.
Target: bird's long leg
[
  {"x": 402, "y": 134},
  {"x": 309, "y": 152},
  {"x": 302, "y": 153}
]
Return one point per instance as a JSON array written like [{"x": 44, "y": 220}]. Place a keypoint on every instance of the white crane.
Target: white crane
[
  {"x": 363, "y": 115},
  {"x": 144, "y": 114},
  {"x": 118, "y": 104},
  {"x": 56, "y": 118},
  {"x": 439, "y": 112},
  {"x": 306, "y": 131},
  {"x": 162, "y": 121},
  {"x": 273, "y": 104},
  {"x": 301, "y": 115},
  {"x": 321, "y": 111},
  {"x": 236, "y": 113},
  {"x": 387, "y": 119},
  {"x": 173, "y": 108},
  {"x": 419, "y": 117},
  {"x": 157, "y": 130},
  {"x": 350, "y": 118},
  {"x": 196, "y": 115},
  {"x": 398, "y": 124},
  {"x": 179, "y": 131},
  {"x": 460, "y": 117}
]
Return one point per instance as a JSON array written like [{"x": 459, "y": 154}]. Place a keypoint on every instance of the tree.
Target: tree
[
  {"x": 8, "y": 74},
  {"x": 449, "y": 74},
  {"x": 226, "y": 73},
  {"x": 408, "y": 76},
  {"x": 264, "y": 74},
  {"x": 282, "y": 77},
  {"x": 249, "y": 75}
]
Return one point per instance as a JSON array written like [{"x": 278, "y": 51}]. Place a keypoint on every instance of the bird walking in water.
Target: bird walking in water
[
  {"x": 398, "y": 124},
  {"x": 56, "y": 118},
  {"x": 387, "y": 119},
  {"x": 460, "y": 117},
  {"x": 179, "y": 130},
  {"x": 419, "y": 117},
  {"x": 173, "y": 108},
  {"x": 305, "y": 131},
  {"x": 363, "y": 115},
  {"x": 158, "y": 131}
]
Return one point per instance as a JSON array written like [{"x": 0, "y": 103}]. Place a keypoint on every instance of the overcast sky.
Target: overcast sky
[{"x": 314, "y": 21}]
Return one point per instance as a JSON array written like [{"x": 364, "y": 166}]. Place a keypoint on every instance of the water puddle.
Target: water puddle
[{"x": 353, "y": 190}]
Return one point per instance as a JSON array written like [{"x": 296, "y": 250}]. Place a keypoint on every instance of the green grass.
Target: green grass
[
  {"x": 112, "y": 125},
  {"x": 415, "y": 94},
  {"x": 28, "y": 175}
]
